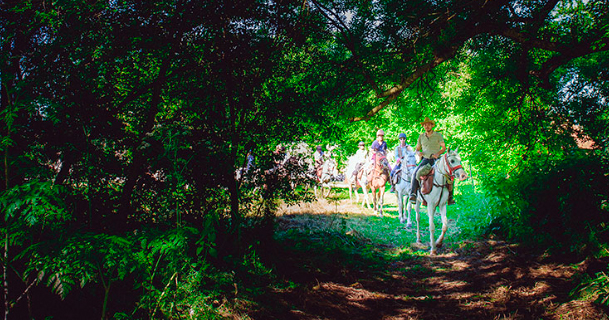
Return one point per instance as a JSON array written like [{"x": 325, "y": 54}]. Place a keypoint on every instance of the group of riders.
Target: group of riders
[{"x": 430, "y": 146}]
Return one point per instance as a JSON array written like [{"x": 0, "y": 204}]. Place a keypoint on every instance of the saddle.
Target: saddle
[
  {"x": 319, "y": 171},
  {"x": 397, "y": 176},
  {"x": 425, "y": 176},
  {"x": 360, "y": 173}
]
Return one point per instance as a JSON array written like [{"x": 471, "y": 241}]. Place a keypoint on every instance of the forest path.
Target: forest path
[{"x": 478, "y": 280}]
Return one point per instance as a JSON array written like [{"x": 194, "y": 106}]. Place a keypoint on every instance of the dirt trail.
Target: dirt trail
[{"x": 488, "y": 280}]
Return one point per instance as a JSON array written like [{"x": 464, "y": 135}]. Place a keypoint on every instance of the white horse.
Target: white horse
[
  {"x": 328, "y": 172},
  {"x": 402, "y": 189},
  {"x": 351, "y": 179},
  {"x": 447, "y": 166}
]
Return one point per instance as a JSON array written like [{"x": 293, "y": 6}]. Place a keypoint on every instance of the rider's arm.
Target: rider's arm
[
  {"x": 418, "y": 148},
  {"x": 442, "y": 149}
]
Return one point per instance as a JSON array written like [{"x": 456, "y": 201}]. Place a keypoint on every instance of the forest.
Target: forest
[{"x": 123, "y": 123}]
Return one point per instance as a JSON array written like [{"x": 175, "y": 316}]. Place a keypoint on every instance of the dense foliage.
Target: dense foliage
[{"x": 124, "y": 122}]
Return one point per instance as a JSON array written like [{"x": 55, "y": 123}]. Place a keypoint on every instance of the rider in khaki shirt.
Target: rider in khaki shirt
[{"x": 430, "y": 146}]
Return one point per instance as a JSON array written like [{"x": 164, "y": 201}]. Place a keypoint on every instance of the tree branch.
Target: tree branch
[
  {"x": 349, "y": 42},
  {"x": 393, "y": 93}
]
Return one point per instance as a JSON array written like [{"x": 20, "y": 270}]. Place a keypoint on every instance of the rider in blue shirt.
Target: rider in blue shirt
[{"x": 401, "y": 153}]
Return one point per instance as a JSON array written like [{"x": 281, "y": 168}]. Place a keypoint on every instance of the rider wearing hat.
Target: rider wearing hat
[
  {"x": 318, "y": 156},
  {"x": 401, "y": 151},
  {"x": 430, "y": 146},
  {"x": 361, "y": 152},
  {"x": 361, "y": 155},
  {"x": 379, "y": 146}
]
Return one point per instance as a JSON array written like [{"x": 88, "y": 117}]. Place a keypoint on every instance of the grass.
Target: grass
[
  {"x": 335, "y": 240},
  {"x": 359, "y": 231}
]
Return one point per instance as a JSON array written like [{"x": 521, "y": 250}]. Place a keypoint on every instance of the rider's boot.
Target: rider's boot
[
  {"x": 413, "y": 190},
  {"x": 451, "y": 199}
]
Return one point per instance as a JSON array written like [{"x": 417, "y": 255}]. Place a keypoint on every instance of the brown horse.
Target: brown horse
[{"x": 376, "y": 180}]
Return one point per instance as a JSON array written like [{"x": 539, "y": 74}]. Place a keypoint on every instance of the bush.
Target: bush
[{"x": 556, "y": 206}]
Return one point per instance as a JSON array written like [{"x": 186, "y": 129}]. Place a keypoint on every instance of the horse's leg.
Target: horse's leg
[
  {"x": 432, "y": 228},
  {"x": 381, "y": 198},
  {"x": 408, "y": 209},
  {"x": 417, "y": 210},
  {"x": 444, "y": 225},
  {"x": 376, "y": 200},
  {"x": 326, "y": 194},
  {"x": 366, "y": 199},
  {"x": 373, "y": 192},
  {"x": 400, "y": 201},
  {"x": 365, "y": 196}
]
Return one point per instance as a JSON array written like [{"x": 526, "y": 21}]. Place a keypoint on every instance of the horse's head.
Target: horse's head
[
  {"x": 332, "y": 167},
  {"x": 453, "y": 163},
  {"x": 329, "y": 170}
]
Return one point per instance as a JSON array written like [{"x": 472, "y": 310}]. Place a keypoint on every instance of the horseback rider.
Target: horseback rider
[
  {"x": 280, "y": 157},
  {"x": 319, "y": 159},
  {"x": 430, "y": 146},
  {"x": 319, "y": 153},
  {"x": 401, "y": 152},
  {"x": 379, "y": 146},
  {"x": 360, "y": 157}
]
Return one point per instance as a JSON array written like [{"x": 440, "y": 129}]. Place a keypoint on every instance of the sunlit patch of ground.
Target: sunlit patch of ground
[{"x": 471, "y": 280}]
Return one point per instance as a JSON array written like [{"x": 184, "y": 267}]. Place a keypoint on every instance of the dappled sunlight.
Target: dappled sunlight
[
  {"x": 324, "y": 206},
  {"x": 551, "y": 269},
  {"x": 457, "y": 286},
  {"x": 465, "y": 280}
]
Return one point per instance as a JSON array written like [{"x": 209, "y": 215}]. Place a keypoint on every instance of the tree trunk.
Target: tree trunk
[
  {"x": 136, "y": 168},
  {"x": 5, "y": 274},
  {"x": 232, "y": 182},
  {"x": 105, "y": 304}
]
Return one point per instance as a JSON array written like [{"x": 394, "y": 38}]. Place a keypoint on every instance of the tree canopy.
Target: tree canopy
[{"x": 119, "y": 116}]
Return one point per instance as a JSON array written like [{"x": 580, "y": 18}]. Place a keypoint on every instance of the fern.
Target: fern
[
  {"x": 596, "y": 288},
  {"x": 34, "y": 202},
  {"x": 59, "y": 283}
]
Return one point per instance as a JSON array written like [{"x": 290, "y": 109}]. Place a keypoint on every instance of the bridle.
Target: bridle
[{"x": 451, "y": 170}]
